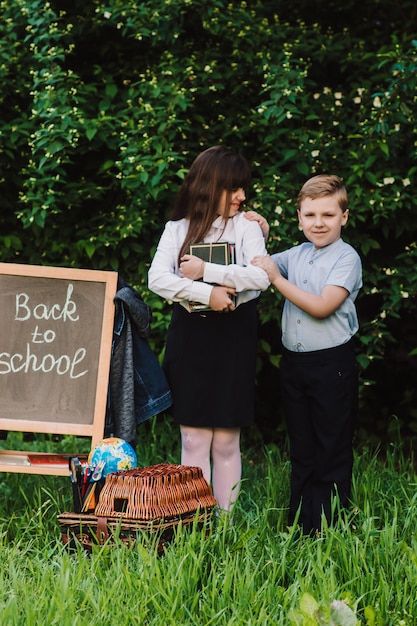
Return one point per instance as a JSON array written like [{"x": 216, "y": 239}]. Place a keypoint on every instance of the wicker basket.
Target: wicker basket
[{"x": 153, "y": 499}]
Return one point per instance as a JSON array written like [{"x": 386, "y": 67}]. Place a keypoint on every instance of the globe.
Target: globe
[{"x": 111, "y": 455}]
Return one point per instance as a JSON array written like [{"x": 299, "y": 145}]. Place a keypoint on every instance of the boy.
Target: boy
[{"x": 319, "y": 280}]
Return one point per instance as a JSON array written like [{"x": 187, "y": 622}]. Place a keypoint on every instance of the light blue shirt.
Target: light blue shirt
[{"x": 311, "y": 269}]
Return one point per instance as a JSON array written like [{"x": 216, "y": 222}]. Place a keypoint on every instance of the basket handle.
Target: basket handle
[{"x": 102, "y": 530}]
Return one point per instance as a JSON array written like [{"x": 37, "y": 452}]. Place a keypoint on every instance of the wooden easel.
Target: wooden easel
[{"x": 46, "y": 313}]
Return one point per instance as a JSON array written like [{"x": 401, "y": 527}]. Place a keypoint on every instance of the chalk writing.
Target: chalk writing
[
  {"x": 47, "y": 336},
  {"x": 27, "y": 361},
  {"x": 64, "y": 364},
  {"x": 43, "y": 312}
]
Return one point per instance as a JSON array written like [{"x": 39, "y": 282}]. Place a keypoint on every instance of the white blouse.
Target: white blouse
[{"x": 164, "y": 277}]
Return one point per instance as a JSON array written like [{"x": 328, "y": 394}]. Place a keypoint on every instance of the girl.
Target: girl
[{"x": 210, "y": 354}]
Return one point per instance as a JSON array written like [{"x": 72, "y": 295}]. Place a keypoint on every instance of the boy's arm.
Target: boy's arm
[
  {"x": 319, "y": 306},
  {"x": 253, "y": 216}
]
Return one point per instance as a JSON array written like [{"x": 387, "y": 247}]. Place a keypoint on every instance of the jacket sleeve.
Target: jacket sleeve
[{"x": 163, "y": 277}]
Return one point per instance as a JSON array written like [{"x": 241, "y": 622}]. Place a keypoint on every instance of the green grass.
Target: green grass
[{"x": 256, "y": 571}]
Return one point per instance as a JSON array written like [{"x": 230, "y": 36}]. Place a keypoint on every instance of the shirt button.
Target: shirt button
[
  {"x": 305, "y": 282},
  {"x": 298, "y": 345},
  {"x": 298, "y": 321},
  {"x": 311, "y": 262}
]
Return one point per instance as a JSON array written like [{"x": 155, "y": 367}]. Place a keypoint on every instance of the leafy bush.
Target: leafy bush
[{"x": 104, "y": 105}]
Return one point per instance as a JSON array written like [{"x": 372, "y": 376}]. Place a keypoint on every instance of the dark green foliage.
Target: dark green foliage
[{"x": 105, "y": 104}]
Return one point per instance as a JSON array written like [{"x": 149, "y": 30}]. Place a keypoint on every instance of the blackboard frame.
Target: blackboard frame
[{"x": 93, "y": 426}]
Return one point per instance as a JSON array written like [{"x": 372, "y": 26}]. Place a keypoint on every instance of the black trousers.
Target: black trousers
[{"x": 320, "y": 400}]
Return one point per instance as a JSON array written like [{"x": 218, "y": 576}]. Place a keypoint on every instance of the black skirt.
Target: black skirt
[{"x": 210, "y": 363}]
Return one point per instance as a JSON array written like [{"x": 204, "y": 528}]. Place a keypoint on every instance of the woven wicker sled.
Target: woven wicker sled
[{"x": 152, "y": 499}]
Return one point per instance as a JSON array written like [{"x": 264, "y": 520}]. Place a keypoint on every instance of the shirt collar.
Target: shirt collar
[
  {"x": 218, "y": 223},
  {"x": 331, "y": 246}
]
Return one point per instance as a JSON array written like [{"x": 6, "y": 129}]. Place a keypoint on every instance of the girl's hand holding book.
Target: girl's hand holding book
[
  {"x": 220, "y": 299},
  {"x": 192, "y": 267}
]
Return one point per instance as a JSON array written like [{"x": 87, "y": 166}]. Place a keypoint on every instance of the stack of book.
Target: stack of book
[{"x": 222, "y": 253}]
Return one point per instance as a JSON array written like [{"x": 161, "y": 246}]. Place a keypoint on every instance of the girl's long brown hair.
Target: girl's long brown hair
[{"x": 213, "y": 171}]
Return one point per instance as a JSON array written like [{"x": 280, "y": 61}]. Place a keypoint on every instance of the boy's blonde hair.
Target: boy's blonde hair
[{"x": 324, "y": 185}]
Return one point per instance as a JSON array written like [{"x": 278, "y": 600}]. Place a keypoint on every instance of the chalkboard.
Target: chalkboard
[{"x": 55, "y": 347}]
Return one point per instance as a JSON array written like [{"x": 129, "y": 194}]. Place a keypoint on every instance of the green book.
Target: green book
[{"x": 222, "y": 253}]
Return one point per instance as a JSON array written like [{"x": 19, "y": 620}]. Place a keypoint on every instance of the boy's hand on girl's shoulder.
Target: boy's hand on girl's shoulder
[
  {"x": 253, "y": 216},
  {"x": 268, "y": 265}
]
